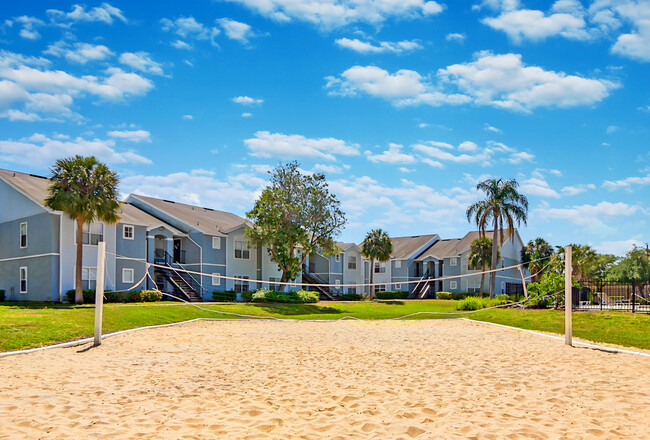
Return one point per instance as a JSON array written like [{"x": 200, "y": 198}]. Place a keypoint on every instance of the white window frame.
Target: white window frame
[
  {"x": 272, "y": 283},
  {"x": 88, "y": 270},
  {"x": 241, "y": 283},
  {"x": 503, "y": 287},
  {"x": 337, "y": 282},
  {"x": 126, "y": 270},
  {"x": 216, "y": 278},
  {"x": 20, "y": 235},
  {"x": 398, "y": 264},
  {"x": 380, "y": 288},
  {"x": 380, "y": 267},
  {"x": 23, "y": 269},
  {"x": 453, "y": 285},
  {"x": 397, "y": 286},
  {"x": 453, "y": 261},
  {"x": 352, "y": 290},
  {"x": 126, "y": 228},
  {"x": 243, "y": 249},
  {"x": 352, "y": 260},
  {"x": 216, "y": 242},
  {"x": 87, "y": 230}
]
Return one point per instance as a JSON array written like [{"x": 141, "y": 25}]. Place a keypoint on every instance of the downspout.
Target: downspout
[{"x": 200, "y": 261}]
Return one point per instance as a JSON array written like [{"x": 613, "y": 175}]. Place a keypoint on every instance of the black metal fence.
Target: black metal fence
[{"x": 612, "y": 295}]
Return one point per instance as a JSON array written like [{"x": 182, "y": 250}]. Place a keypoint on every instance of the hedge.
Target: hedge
[
  {"x": 293, "y": 297},
  {"x": 392, "y": 294},
  {"x": 350, "y": 297},
  {"x": 2, "y": 295},
  {"x": 224, "y": 296},
  {"x": 115, "y": 297},
  {"x": 454, "y": 295}
]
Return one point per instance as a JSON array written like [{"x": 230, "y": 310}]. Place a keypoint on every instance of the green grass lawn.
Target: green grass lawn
[{"x": 24, "y": 325}]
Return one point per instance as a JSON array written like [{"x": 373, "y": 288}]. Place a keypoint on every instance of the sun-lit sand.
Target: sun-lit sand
[{"x": 342, "y": 380}]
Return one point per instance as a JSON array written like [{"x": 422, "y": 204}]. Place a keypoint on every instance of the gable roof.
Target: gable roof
[
  {"x": 31, "y": 185},
  {"x": 132, "y": 215},
  {"x": 455, "y": 246},
  {"x": 406, "y": 247},
  {"x": 344, "y": 246},
  {"x": 205, "y": 220}
]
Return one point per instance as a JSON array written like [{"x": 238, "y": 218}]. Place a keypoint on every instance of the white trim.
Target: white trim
[
  {"x": 20, "y": 279},
  {"x": 453, "y": 285},
  {"x": 132, "y": 237},
  {"x": 204, "y": 264},
  {"x": 247, "y": 248},
  {"x": 453, "y": 261},
  {"x": 398, "y": 264},
  {"x": 124, "y": 271},
  {"x": 218, "y": 241},
  {"x": 31, "y": 256},
  {"x": 20, "y": 236},
  {"x": 216, "y": 277}
]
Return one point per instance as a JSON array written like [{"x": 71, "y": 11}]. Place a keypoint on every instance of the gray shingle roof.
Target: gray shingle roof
[
  {"x": 36, "y": 187},
  {"x": 405, "y": 247}
]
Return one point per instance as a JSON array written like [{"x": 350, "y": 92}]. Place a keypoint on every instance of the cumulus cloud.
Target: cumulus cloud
[
  {"x": 28, "y": 25},
  {"x": 247, "y": 100},
  {"x": 266, "y": 144},
  {"x": 105, "y": 13},
  {"x": 536, "y": 25},
  {"x": 618, "y": 248},
  {"x": 189, "y": 28},
  {"x": 538, "y": 187},
  {"x": 141, "y": 61},
  {"x": 41, "y": 151},
  {"x": 365, "y": 47},
  {"x": 455, "y": 37},
  {"x": 627, "y": 183},
  {"x": 393, "y": 155},
  {"x": 488, "y": 127},
  {"x": 432, "y": 150},
  {"x": 79, "y": 53},
  {"x": 591, "y": 215},
  {"x": 574, "y": 190},
  {"x": 131, "y": 135},
  {"x": 236, "y": 30},
  {"x": 331, "y": 14}
]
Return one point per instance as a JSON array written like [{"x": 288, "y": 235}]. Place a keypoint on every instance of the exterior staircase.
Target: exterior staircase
[
  {"x": 174, "y": 281},
  {"x": 312, "y": 278},
  {"x": 424, "y": 288}
]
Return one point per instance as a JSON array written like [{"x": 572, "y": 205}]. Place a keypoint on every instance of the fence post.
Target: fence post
[
  {"x": 99, "y": 291},
  {"x": 633, "y": 295},
  {"x": 568, "y": 295}
]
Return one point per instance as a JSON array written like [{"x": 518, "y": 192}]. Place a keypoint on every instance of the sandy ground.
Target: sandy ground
[{"x": 343, "y": 380}]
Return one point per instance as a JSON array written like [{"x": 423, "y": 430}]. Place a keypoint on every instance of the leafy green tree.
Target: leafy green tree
[
  {"x": 376, "y": 246},
  {"x": 535, "y": 257},
  {"x": 294, "y": 216},
  {"x": 502, "y": 204},
  {"x": 634, "y": 267},
  {"x": 86, "y": 190},
  {"x": 550, "y": 285},
  {"x": 480, "y": 255}
]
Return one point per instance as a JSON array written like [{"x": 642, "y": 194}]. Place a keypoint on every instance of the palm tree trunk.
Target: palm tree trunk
[
  {"x": 78, "y": 294},
  {"x": 482, "y": 281},
  {"x": 495, "y": 249},
  {"x": 372, "y": 270}
]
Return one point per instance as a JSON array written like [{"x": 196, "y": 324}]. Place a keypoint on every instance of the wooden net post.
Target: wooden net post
[{"x": 568, "y": 295}]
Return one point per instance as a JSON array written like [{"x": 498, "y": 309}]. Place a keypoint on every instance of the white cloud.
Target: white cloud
[
  {"x": 488, "y": 127},
  {"x": 618, "y": 248},
  {"x": 141, "y": 61},
  {"x": 28, "y": 26},
  {"x": 423, "y": 125},
  {"x": 188, "y": 117},
  {"x": 104, "y": 13},
  {"x": 393, "y": 155},
  {"x": 467, "y": 146},
  {"x": 79, "y": 53},
  {"x": 591, "y": 215},
  {"x": 504, "y": 81},
  {"x": 521, "y": 156},
  {"x": 189, "y": 28},
  {"x": 455, "y": 37},
  {"x": 41, "y": 151},
  {"x": 635, "y": 45},
  {"x": 538, "y": 187},
  {"x": 247, "y": 100},
  {"x": 627, "y": 183},
  {"x": 611, "y": 129},
  {"x": 406, "y": 170},
  {"x": 365, "y": 47},
  {"x": 266, "y": 144},
  {"x": 330, "y": 14},
  {"x": 246, "y": 115},
  {"x": 577, "y": 189},
  {"x": 331, "y": 169},
  {"x": 236, "y": 30},
  {"x": 131, "y": 135},
  {"x": 536, "y": 25},
  {"x": 445, "y": 156}
]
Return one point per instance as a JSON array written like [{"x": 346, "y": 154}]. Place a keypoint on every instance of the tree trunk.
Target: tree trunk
[
  {"x": 495, "y": 250},
  {"x": 78, "y": 294},
  {"x": 482, "y": 281},
  {"x": 372, "y": 271}
]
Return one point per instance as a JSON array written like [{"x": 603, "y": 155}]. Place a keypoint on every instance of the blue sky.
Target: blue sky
[{"x": 404, "y": 105}]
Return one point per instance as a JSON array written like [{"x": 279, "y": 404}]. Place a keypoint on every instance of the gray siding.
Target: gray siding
[
  {"x": 399, "y": 275},
  {"x": 136, "y": 248},
  {"x": 42, "y": 236},
  {"x": 42, "y": 279}
]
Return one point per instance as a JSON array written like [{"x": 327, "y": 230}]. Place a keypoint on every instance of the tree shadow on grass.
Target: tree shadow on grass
[
  {"x": 42, "y": 305},
  {"x": 391, "y": 302},
  {"x": 298, "y": 309}
]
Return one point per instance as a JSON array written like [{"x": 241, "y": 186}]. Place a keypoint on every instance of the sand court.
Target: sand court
[{"x": 437, "y": 379}]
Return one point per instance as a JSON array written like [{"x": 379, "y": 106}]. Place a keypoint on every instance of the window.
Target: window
[
  {"x": 241, "y": 283},
  {"x": 352, "y": 290},
  {"x": 23, "y": 279},
  {"x": 337, "y": 257},
  {"x": 474, "y": 287},
  {"x": 242, "y": 251},
  {"x": 352, "y": 262},
  {"x": 380, "y": 267},
  {"x": 453, "y": 261},
  {"x": 398, "y": 264},
  {"x": 216, "y": 278},
  {"x": 337, "y": 282},
  {"x": 216, "y": 242},
  {"x": 88, "y": 277},
  {"x": 272, "y": 286},
  {"x": 92, "y": 233},
  {"x": 503, "y": 287},
  {"x": 397, "y": 286},
  {"x": 127, "y": 276},
  {"x": 127, "y": 232},
  {"x": 23, "y": 235},
  {"x": 380, "y": 288},
  {"x": 453, "y": 285}
]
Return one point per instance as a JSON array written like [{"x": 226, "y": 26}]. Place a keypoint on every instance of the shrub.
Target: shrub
[
  {"x": 350, "y": 297},
  {"x": 477, "y": 303},
  {"x": 444, "y": 295},
  {"x": 88, "y": 294},
  {"x": 293, "y": 297},
  {"x": 2, "y": 295},
  {"x": 134, "y": 297},
  {"x": 224, "y": 296},
  {"x": 112, "y": 297},
  {"x": 151, "y": 296},
  {"x": 454, "y": 295},
  {"x": 392, "y": 294}
]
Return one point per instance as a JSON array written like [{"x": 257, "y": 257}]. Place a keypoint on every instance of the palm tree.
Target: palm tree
[
  {"x": 86, "y": 190},
  {"x": 534, "y": 256},
  {"x": 502, "y": 204},
  {"x": 480, "y": 254},
  {"x": 376, "y": 246}
]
